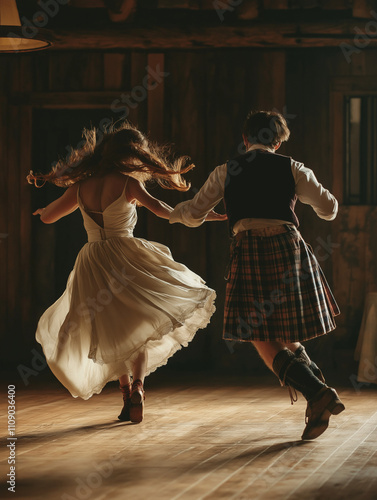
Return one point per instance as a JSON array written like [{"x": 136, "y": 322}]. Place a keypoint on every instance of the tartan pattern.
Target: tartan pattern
[{"x": 276, "y": 291}]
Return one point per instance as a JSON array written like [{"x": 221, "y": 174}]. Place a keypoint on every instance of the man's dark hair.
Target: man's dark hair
[{"x": 265, "y": 127}]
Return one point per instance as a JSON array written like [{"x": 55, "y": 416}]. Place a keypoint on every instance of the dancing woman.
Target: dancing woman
[{"x": 128, "y": 306}]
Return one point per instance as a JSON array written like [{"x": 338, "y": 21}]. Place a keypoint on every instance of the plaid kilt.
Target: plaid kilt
[{"x": 276, "y": 291}]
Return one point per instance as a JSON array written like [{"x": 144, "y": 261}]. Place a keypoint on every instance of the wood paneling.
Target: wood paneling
[
  {"x": 363, "y": 8},
  {"x": 156, "y": 104},
  {"x": 25, "y": 165},
  {"x": 354, "y": 265},
  {"x": 248, "y": 10},
  {"x": 319, "y": 141},
  {"x": 200, "y": 107},
  {"x": 65, "y": 100},
  {"x": 113, "y": 67},
  {"x": 4, "y": 194},
  {"x": 337, "y": 4},
  {"x": 18, "y": 203},
  {"x": 339, "y": 88},
  {"x": 275, "y": 4},
  {"x": 72, "y": 71},
  {"x": 138, "y": 70}
]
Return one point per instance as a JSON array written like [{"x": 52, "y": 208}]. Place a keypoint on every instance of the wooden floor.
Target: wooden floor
[{"x": 201, "y": 439}]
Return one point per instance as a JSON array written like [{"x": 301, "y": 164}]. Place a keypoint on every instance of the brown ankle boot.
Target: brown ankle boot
[
  {"x": 318, "y": 412},
  {"x": 137, "y": 401},
  {"x": 125, "y": 413}
]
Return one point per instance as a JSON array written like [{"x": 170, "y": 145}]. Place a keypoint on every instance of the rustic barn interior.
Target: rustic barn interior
[{"x": 187, "y": 72}]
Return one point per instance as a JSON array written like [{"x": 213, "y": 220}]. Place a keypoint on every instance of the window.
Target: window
[{"x": 360, "y": 166}]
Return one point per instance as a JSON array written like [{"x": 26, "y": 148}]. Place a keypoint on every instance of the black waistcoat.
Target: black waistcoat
[{"x": 260, "y": 185}]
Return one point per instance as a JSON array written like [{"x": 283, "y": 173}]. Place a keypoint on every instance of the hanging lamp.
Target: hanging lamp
[{"x": 16, "y": 38}]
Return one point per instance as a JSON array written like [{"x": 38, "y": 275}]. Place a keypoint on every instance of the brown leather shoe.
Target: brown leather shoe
[
  {"x": 125, "y": 413},
  {"x": 318, "y": 412},
  {"x": 137, "y": 401}
]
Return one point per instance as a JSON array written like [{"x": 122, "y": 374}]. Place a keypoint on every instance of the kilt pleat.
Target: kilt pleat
[{"x": 276, "y": 291}]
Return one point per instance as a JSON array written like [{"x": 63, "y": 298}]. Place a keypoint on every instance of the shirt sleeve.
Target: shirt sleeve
[
  {"x": 311, "y": 192},
  {"x": 193, "y": 212}
]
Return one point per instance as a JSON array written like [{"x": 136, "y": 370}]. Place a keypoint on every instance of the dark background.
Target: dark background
[{"x": 48, "y": 97}]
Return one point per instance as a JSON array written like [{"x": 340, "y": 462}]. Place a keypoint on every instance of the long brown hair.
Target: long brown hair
[{"x": 123, "y": 149}]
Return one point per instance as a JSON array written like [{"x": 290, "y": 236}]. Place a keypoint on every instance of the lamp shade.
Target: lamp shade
[{"x": 14, "y": 37}]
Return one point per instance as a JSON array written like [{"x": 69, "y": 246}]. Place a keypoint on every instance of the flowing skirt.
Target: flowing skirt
[{"x": 124, "y": 296}]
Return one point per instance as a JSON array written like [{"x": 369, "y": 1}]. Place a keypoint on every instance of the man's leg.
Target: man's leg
[
  {"x": 268, "y": 351},
  {"x": 323, "y": 401},
  {"x": 300, "y": 353},
  {"x": 288, "y": 368}
]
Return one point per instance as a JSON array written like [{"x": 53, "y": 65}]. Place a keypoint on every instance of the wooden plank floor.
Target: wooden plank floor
[{"x": 234, "y": 439}]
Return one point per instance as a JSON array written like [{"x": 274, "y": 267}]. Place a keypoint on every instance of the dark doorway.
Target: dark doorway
[{"x": 55, "y": 247}]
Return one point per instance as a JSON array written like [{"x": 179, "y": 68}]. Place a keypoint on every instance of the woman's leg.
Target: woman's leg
[
  {"x": 137, "y": 392},
  {"x": 138, "y": 372},
  {"x": 133, "y": 396},
  {"x": 124, "y": 380},
  {"x": 140, "y": 366},
  {"x": 125, "y": 387}
]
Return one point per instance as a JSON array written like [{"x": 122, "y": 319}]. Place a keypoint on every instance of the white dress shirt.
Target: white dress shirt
[{"x": 193, "y": 212}]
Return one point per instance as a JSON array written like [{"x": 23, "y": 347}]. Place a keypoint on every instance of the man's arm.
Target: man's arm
[
  {"x": 311, "y": 192},
  {"x": 194, "y": 212}
]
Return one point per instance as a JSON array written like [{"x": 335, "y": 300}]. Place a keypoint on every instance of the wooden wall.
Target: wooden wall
[{"x": 204, "y": 99}]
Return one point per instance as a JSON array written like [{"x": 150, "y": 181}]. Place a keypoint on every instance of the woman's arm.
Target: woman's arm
[
  {"x": 59, "y": 208},
  {"x": 136, "y": 191}
]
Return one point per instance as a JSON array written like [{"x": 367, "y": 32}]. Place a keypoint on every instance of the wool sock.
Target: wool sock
[
  {"x": 296, "y": 373},
  {"x": 301, "y": 353}
]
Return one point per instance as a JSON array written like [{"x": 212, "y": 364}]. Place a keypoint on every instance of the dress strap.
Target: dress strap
[
  {"x": 124, "y": 189},
  {"x": 125, "y": 185}
]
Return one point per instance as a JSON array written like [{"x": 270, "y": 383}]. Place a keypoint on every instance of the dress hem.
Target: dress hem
[{"x": 206, "y": 307}]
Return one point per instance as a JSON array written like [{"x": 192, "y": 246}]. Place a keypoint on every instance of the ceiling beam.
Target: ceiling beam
[{"x": 265, "y": 35}]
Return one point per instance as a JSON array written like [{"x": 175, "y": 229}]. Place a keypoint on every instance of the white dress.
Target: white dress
[{"x": 124, "y": 295}]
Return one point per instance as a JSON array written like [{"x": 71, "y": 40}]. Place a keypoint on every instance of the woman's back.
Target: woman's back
[
  {"x": 97, "y": 193},
  {"x": 106, "y": 211}
]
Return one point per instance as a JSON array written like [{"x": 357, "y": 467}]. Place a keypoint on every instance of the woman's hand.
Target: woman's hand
[
  {"x": 214, "y": 216},
  {"x": 39, "y": 211},
  {"x": 66, "y": 204}
]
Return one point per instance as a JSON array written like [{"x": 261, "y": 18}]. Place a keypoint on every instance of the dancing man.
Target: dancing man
[{"x": 276, "y": 295}]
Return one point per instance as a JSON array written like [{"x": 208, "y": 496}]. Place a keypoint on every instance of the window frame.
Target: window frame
[{"x": 340, "y": 88}]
